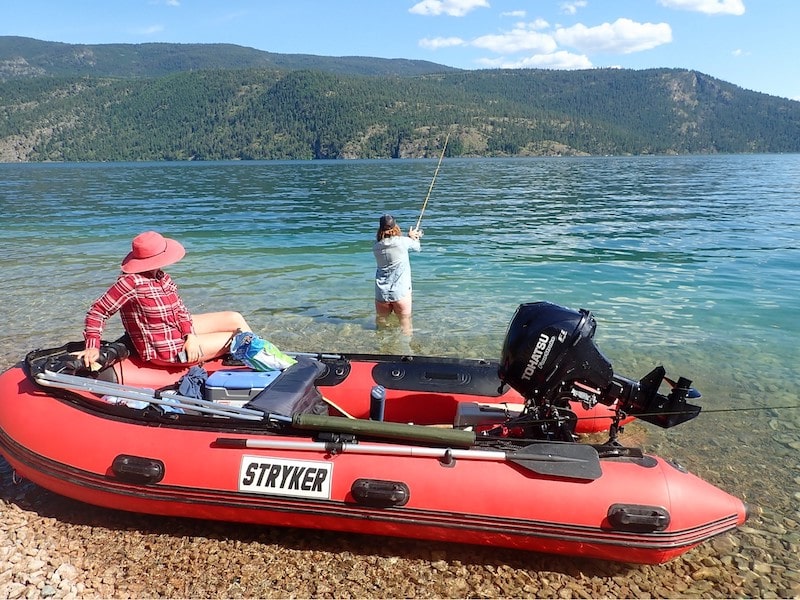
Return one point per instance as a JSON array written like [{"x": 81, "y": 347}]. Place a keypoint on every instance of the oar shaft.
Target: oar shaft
[
  {"x": 387, "y": 450},
  {"x": 72, "y": 382},
  {"x": 349, "y": 448},
  {"x": 583, "y": 464}
]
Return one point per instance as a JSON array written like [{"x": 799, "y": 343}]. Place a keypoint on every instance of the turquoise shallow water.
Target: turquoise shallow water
[{"x": 689, "y": 262}]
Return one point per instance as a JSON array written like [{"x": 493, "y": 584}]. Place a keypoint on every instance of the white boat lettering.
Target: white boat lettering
[
  {"x": 302, "y": 478},
  {"x": 539, "y": 355}
]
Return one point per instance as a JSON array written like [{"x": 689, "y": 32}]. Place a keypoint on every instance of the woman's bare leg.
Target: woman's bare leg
[
  {"x": 402, "y": 309},
  {"x": 215, "y": 330},
  {"x": 217, "y": 322},
  {"x": 382, "y": 312}
]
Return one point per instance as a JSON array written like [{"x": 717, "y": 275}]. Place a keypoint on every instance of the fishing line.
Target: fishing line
[
  {"x": 743, "y": 409},
  {"x": 674, "y": 412},
  {"x": 430, "y": 189},
  {"x": 703, "y": 411}
]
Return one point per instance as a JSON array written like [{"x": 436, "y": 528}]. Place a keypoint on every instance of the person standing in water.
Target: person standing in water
[{"x": 393, "y": 273}]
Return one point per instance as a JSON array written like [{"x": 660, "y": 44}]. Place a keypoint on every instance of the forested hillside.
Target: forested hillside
[
  {"x": 21, "y": 56},
  {"x": 279, "y": 113}
]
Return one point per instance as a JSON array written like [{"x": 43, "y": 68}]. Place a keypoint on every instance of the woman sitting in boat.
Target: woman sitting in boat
[{"x": 161, "y": 328}]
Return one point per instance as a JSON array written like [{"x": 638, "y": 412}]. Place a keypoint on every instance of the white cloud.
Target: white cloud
[
  {"x": 441, "y": 42},
  {"x": 739, "y": 52},
  {"x": 538, "y": 24},
  {"x": 517, "y": 14},
  {"x": 538, "y": 44},
  {"x": 520, "y": 39},
  {"x": 553, "y": 60},
  {"x": 623, "y": 36},
  {"x": 572, "y": 7},
  {"x": 451, "y": 8},
  {"x": 709, "y": 7}
]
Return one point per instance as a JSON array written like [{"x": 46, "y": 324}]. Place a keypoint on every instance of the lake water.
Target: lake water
[{"x": 689, "y": 262}]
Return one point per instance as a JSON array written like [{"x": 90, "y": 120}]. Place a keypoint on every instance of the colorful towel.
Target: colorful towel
[{"x": 259, "y": 354}]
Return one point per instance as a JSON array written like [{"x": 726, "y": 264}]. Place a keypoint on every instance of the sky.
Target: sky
[{"x": 754, "y": 44}]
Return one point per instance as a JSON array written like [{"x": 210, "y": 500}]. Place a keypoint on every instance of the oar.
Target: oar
[
  {"x": 107, "y": 388},
  {"x": 573, "y": 461},
  {"x": 577, "y": 461},
  {"x": 335, "y": 406}
]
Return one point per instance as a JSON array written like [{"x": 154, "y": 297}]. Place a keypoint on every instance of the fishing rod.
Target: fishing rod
[{"x": 435, "y": 173}]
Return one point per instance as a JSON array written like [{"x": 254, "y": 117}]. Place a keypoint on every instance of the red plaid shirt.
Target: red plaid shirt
[{"x": 152, "y": 313}]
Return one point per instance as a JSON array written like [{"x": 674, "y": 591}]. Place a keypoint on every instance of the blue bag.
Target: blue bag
[{"x": 259, "y": 354}]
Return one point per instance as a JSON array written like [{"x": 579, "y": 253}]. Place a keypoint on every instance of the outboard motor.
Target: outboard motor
[
  {"x": 549, "y": 357},
  {"x": 548, "y": 352}
]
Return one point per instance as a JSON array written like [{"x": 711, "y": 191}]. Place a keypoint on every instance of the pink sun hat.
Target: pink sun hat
[{"x": 150, "y": 251}]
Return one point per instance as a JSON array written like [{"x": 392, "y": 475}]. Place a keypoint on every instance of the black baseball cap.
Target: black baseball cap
[{"x": 387, "y": 222}]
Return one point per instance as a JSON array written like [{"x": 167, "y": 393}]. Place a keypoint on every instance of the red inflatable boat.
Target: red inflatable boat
[{"x": 414, "y": 447}]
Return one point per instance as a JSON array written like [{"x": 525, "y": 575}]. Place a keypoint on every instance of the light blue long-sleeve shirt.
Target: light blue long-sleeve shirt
[{"x": 393, "y": 275}]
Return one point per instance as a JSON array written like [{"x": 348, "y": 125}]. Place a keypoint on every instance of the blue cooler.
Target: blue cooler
[{"x": 236, "y": 387}]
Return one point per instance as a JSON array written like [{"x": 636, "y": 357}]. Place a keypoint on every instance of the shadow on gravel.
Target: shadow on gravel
[{"x": 32, "y": 498}]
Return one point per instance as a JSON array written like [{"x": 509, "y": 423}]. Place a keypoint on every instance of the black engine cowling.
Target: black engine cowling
[
  {"x": 548, "y": 346},
  {"x": 549, "y": 357}
]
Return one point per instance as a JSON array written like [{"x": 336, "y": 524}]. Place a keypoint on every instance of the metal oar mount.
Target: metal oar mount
[{"x": 572, "y": 461}]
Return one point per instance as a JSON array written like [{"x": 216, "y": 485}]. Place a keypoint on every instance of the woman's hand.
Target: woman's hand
[
  {"x": 90, "y": 356},
  {"x": 414, "y": 234},
  {"x": 192, "y": 348}
]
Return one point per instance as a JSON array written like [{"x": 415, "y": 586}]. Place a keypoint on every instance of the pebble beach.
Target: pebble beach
[{"x": 53, "y": 547}]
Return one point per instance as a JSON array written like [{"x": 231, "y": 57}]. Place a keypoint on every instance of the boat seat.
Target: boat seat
[{"x": 293, "y": 392}]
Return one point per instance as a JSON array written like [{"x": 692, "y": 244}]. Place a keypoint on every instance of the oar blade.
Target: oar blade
[{"x": 573, "y": 461}]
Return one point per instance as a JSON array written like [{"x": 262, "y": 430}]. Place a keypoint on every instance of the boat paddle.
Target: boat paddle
[
  {"x": 572, "y": 461},
  {"x": 145, "y": 395}
]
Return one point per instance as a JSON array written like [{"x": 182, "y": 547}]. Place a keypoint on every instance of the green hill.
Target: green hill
[
  {"x": 20, "y": 56},
  {"x": 204, "y": 102}
]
